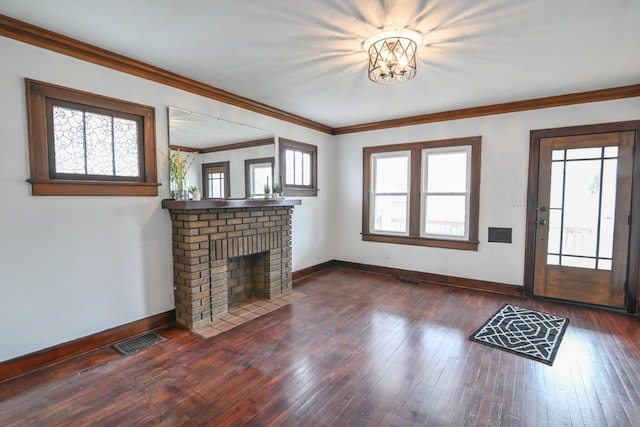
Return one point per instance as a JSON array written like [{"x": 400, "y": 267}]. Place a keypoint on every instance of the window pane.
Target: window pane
[
  {"x": 99, "y": 144},
  {"x": 297, "y": 167},
  {"x": 391, "y": 174},
  {"x": 447, "y": 172},
  {"x": 260, "y": 175},
  {"x": 125, "y": 136},
  {"x": 95, "y": 144},
  {"x": 390, "y": 213},
  {"x": 290, "y": 167},
  {"x": 306, "y": 169},
  {"x": 445, "y": 215},
  {"x": 553, "y": 260},
  {"x": 215, "y": 182},
  {"x": 569, "y": 261},
  {"x": 68, "y": 129}
]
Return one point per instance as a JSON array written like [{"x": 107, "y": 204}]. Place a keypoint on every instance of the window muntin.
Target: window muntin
[
  {"x": 390, "y": 192},
  {"x": 93, "y": 143},
  {"x": 446, "y": 192},
  {"x": 298, "y": 168},
  {"x": 215, "y": 180},
  {"x": 442, "y": 199},
  {"x": 82, "y": 144}
]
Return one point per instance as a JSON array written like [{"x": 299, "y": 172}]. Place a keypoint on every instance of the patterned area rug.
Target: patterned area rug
[{"x": 526, "y": 332}]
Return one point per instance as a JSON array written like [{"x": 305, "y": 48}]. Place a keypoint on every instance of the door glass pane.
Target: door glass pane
[
  {"x": 557, "y": 184},
  {"x": 555, "y": 218},
  {"x": 390, "y": 213},
  {"x": 604, "y": 264},
  {"x": 580, "y": 226},
  {"x": 445, "y": 215},
  {"x": 569, "y": 261},
  {"x": 557, "y": 155},
  {"x": 553, "y": 260},
  {"x": 391, "y": 174},
  {"x": 584, "y": 153},
  {"x": 447, "y": 172},
  {"x": 608, "y": 207},
  {"x": 611, "y": 151}
]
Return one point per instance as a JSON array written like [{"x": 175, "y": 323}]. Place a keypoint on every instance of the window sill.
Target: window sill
[
  {"x": 309, "y": 192},
  {"x": 464, "y": 245},
  {"x": 49, "y": 187}
]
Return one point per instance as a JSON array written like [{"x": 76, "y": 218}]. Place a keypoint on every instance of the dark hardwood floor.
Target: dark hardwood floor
[{"x": 360, "y": 349}]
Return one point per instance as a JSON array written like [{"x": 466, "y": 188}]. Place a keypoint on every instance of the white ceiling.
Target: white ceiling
[
  {"x": 306, "y": 57},
  {"x": 194, "y": 130}
]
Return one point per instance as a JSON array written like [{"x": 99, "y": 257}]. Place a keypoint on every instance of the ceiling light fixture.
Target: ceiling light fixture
[{"x": 392, "y": 55}]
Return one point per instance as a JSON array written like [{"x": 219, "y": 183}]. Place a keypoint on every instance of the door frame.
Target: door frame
[{"x": 633, "y": 266}]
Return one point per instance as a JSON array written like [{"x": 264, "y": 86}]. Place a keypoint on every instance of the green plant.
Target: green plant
[
  {"x": 179, "y": 166},
  {"x": 267, "y": 189},
  {"x": 193, "y": 189},
  {"x": 277, "y": 188}
]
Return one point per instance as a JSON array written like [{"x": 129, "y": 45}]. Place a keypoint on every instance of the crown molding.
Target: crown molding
[
  {"x": 37, "y": 36},
  {"x": 490, "y": 110}
]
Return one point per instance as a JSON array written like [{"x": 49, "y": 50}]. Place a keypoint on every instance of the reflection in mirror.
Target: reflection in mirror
[
  {"x": 223, "y": 147},
  {"x": 215, "y": 180},
  {"x": 258, "y": 176}
]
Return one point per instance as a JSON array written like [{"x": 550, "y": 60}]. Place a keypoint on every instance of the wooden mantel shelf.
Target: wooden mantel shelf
[{"x": 227, "y": 203}]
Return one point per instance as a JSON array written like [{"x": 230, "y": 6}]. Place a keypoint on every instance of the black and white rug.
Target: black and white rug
[{"x": 523, "y": 331}]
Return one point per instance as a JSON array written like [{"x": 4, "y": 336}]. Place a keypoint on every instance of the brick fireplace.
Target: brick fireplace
[{"x": 226, "y": 250}]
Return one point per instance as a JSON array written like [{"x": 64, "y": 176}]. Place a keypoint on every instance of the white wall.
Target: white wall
[
  {"x": 73, "y": 266},
  {"x": 505, "y": 145}
]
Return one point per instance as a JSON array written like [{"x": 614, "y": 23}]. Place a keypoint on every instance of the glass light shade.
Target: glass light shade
[{"x": 392, "y": 56}]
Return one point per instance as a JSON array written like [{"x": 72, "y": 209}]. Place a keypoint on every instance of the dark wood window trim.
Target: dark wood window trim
[
  {"x": 247, "y": 172},
  {"x": 414, "y": 237},
  {"x": 224, "y": 166},
  {"x": 45, "y": 182},
  {"x": 298, "y": 190}
]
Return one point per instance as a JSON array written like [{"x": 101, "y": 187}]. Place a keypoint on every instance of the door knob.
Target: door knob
[{"x": 542, "y": 222}]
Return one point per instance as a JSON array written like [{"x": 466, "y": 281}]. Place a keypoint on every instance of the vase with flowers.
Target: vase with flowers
[{"x": 179, "y": 165}]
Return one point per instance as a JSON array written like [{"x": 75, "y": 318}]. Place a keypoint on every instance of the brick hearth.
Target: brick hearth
[{"x": 226, "y": 249}]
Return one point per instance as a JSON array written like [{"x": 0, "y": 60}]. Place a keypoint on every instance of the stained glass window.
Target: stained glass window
[{"x": 91, "y": 143}]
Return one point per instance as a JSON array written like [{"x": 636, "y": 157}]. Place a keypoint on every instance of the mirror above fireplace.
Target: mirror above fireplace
[{"x": 223, "y": 149}]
